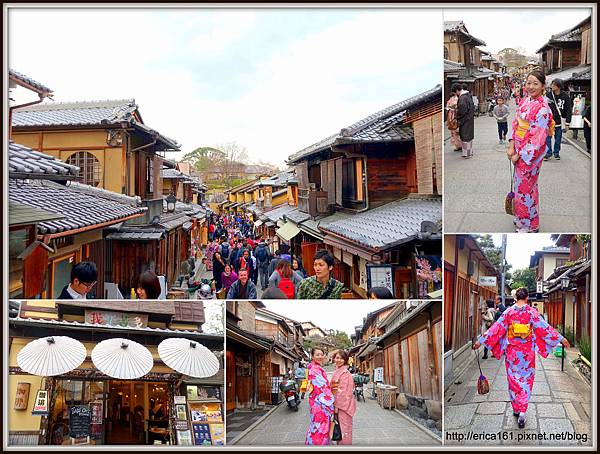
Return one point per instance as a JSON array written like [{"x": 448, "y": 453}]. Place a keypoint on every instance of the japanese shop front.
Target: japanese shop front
[{"x": 85, "y": 406}]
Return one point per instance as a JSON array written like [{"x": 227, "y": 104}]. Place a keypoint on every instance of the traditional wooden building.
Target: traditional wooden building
[
  {"x": 371, "y": 195},
  {"x": 461, "y": 50},
  {"x": 64, "y": 225},
  {"x": 576, "y": 297},
  {"x": 465, "y": 295},
  {"x": 367, "y": 356},
  {"x": 121, "y": 408},
  {"x": 412, "y": 354}
]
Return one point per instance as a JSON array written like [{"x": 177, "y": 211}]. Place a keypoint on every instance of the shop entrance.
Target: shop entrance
[
  {"x": 121, "y": 412},
  {"x": 137, "y": 412}
]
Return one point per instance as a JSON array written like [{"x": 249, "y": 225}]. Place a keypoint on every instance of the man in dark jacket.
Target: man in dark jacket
[
  {"x": 465, "y": 114},
  {"x": 243, "y": 288},
  {"x": 560, "y": 104},
  {"x": 263, "y": 257},
  {"x": 83, "y": 278}
]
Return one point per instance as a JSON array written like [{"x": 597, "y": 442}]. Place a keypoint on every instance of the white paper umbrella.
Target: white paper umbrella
[
  {"x": 188, "y": 357},
  {"x": 122, "y": 358},
  {"x": 52, "y": 355}
]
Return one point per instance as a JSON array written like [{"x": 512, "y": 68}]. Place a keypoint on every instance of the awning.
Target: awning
[
  {"x": 258, "y": 223},
  {"x": 134, "y": 236},
  {"x": 288, "y": 231}
]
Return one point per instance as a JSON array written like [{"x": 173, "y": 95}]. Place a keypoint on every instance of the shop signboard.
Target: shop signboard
[
  {"x": 40, "y": 406},
  {"x": 380, "y": 276},
  {"x": 378, "y": 375},
  {"x": 110, "y": 318},
  {"x": 22, "y": 396},
  {"x": 487, "y": 281},
  {"x": 79, "y": 421}
]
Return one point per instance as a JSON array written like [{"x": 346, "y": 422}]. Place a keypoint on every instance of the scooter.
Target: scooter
[
  {"x": 289, "y": 388},
  {"x": 359, "y": 381}
]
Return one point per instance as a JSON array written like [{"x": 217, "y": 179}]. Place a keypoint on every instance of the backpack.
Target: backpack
[
  {"x": 261, "y": 254},
  {"x": 286, "y": 286},
  {"x": 225, "y": 251}
]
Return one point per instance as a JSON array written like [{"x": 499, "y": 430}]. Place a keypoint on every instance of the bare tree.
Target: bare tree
[{"x": 235, "y": 156}]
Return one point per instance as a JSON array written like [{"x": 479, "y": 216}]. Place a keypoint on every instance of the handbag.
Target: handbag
[
  {"x": 336, "y": 432},
  {"x": 509, "y": 200},
  {"x": 483, "y": 387}
]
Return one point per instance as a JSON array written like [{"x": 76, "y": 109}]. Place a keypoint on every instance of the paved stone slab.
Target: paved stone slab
[
  {"x": 458, "y": 416},
  {"x": 511, "y": 421},
  {"x": 556, "y": 426},
  {"x": 551, "y": 411},
  {"x": 491, "y": 408},
  {"x": 487, "y": 423}
]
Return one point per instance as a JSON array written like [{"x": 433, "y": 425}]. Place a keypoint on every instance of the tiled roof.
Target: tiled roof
[
  {"x": 19, "y": 214},
  {"x": 279, "y": 179},
  {"x": 581, "y": 72},
  {"x": 571, "y": 35},
  {"x": 459, "y": 26},
  {"x": 383, "y": 126},
  {"x": 28, "y": 80},
  {"x": 297, "y": 216},
  {"x": 80, "y": 205},
  {"x": 173, "y": 174},
  {"x": 390, "y": 224},
  {"x": 136, "y": 235},
  {"x": 277, "y": 213},
  {"x": 171, "y": 221},
  {"x": 23, "y": 162},
  {"x": 450, "y": 65},
  {"x": 83, "y": 114}
]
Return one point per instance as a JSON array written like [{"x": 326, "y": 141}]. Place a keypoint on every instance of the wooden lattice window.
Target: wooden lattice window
[
  {"x": 90, "y": 171},
  {"x": 446, "y": 53}
]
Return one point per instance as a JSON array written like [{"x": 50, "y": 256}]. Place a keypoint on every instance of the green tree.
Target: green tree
[
  {"x": 340, "y": 339},
  {"x": 204, "y": 158},
  {"x": 523, "y": 278},
  {"x": 492, "y": 252}
]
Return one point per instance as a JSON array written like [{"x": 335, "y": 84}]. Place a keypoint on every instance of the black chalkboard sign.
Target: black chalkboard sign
[{"x": 79, "y": 421}]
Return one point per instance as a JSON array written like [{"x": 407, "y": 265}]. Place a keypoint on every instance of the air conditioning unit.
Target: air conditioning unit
[{"x": 470, "y": 268}]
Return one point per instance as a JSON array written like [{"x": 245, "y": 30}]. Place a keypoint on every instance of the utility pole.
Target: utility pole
[{"x": 503, "y": 270}]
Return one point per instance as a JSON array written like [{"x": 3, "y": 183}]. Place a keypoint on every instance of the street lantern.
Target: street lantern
[
  {"x": 564, "y": 283},
  {"x": 171, "y": 200}
]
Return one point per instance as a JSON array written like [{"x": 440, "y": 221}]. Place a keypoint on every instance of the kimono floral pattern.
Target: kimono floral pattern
[
  {"x": 529, "y": 132},
  {"x": 321, "y": 406},
  {"x": 520, "y": 353}
]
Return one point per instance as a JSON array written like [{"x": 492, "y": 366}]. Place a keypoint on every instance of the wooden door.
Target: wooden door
[
  {"x": 308, "y": 254},
  {"x": 230, "y": 386},
  {"x": 263, "y": 372}
]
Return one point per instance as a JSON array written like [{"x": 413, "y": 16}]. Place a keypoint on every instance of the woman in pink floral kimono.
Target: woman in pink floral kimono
[
  {"x": 343, "y": 390},
  {"x": 320, "y": 401},
  {"x": 519, "y": 333},
  {"x": 527, "y": 147},
  {"x": 210, "y": 252}
]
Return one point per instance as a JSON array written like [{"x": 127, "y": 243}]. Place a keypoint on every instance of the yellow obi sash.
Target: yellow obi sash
[
  {"x": 522, "y": 330},
  {"x": 522, "y": 128}
]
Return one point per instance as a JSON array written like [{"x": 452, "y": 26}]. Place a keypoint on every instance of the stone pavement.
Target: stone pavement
[
  {"x": 560, "y": 404},
  {"x": 239, "y": 421},
  {"x": 201, "y": 273},
  {"x": 475, "y": 188},
  {"x": 373, "y": 426}
]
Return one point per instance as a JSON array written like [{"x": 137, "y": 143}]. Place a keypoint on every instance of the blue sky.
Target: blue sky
[{"x": 273, "y": 80}]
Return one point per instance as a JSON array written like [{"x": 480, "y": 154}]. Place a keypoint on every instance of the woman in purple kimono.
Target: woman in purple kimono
[
  {"x": 320, "y": 401},
  {"x": 519, "y": 333},
  {"x": 527, "y": 147}
]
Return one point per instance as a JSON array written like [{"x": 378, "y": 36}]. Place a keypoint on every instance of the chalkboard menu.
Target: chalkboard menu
[{"x": 79, "y": 421}]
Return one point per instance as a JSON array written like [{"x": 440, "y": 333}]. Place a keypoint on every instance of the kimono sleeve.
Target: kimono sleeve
[
  {"x": 495, "y": 337},
  {"x": 344, "y": 396},
  {"x": 546, "y": 337},
  {"x": 536, "y": 137},
  {"x": 320, "y": 388}
]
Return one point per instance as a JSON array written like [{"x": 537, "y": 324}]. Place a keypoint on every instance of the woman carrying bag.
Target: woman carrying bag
[
  {"x": 519, "y": 334},
  {"x": 345, "y": 404},
  {"x": 527, "y": 146},
  {"x": 320, "y": 401}
]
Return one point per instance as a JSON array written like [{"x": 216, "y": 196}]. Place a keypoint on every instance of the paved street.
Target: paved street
[
  {"x": 560, "y": 403},
  {"x": 474, "y": 189},
  {"x": 373, "y": 426},
  {"x": 201, "y": 273}
]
